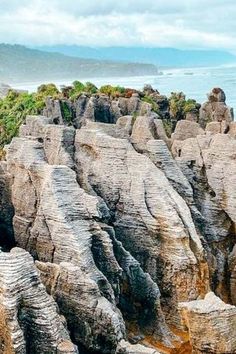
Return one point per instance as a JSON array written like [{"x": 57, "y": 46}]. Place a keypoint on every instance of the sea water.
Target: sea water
[{"x": 194, "y": 82}]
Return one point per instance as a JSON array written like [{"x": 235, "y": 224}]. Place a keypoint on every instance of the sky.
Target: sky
[{"x": 150, "y": 23}]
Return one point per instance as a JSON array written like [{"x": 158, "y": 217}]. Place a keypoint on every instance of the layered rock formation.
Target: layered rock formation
[
  {"x": 29, "y": 322},
  {"x": 129, "y": 231},
  {"x": 214, "y": 318},
  {"x": 215, "y": 109},
  {"x": 99, "y": 108}
]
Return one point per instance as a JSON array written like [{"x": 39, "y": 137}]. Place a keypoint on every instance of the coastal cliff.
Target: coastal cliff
[{"x": 117, "y": 226}]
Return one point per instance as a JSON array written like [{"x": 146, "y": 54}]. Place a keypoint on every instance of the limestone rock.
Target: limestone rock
[
  {"x": 126, "y": 348},
  {"x": 92, "y": 320},
  {"x": 211, "y": 324},
  {"x": 53, "y": 110},
  {"x": 150, "y": 218},
  {"x": 64, "y": 209},
  {"x": 147, "y": 128},
  {"x": 215, "y": 109},
  {"x": 232, "y": 269},
  {"x": 96, "y": 108},
  {"x": 49, "y": 204},
  {"x": 217, "y": 127},
  {"x": 29, "y": 318},
  {"x": 125, "y": 123},
  {"x": 209, "y": 164},
  {"x": 160, "y": 155},
  {"x": 34, "y": 126},
  {"x": 122, "y": 229},
  {"x": 59, "y": 145},
  {"x": 186, "y": 129},
  {"x": 232, "y": 129}
]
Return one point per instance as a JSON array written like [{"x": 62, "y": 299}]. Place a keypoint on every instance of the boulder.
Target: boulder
[{"x": 211, "y": 324}]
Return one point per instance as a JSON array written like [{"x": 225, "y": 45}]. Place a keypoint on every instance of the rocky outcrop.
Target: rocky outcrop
[
  {"x": 29, "y": 321},
  {"x": 217, "y": 329},
  {"x": 126, "y": 348},
  {"x": 145, "y": 129},
  {"x": 123, "y": 224},
  {"x": 150, "y": 218},
  {"x": 215, "y": 109},
  {"x": 186, "y": 129},
  {"x": 50, "y": 204},
  {"x": 208, "y": 162},
  {"x": 96, "y": 108}
]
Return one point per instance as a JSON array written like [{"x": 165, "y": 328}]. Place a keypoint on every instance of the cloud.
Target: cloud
[{"x": 182, "y": 24}]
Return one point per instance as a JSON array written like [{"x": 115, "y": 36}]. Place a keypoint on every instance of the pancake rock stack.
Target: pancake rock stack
[{"x": 125, "y": 237}]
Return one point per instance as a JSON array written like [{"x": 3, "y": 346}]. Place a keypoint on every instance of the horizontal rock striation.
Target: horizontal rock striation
[
  {"x": 208, "y": 161},
  {"x": 66, "y": 231},
  {"x": 131, "y": 231},
  {"x": 29, "y": 320},
  {"x": 97, "y": 108},
  {"x": 213, "y": 317}
]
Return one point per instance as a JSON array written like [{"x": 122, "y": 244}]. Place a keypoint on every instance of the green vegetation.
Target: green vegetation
[
  {"x": 16, "y": 106},
  {"x": 66, "y": 112},
  {"x": 112, "y": 91},
  {"x": 78, "y": 88},
  {"x": 179, "y": 106},
  {"x": 150, "y": 100}
]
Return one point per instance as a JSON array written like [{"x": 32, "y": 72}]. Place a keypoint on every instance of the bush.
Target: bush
[
  {"x": 112, "y": 91},
  {"x": 150, "y": 100},
  {"x": 179, "y": 106},
  {"x": 16, "y": 106},
  {"x": 13, "y": 110},
  {"x": 90, "y": 88},
  {"x": 78, "y": 88},
  {"x": 66, "y": 112}
]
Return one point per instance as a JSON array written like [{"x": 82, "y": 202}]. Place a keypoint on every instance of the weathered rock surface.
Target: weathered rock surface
[
  {"x": 50, "y": 204},
  {"x": 121, "y": 230},
  {"x": 150, "y": 218},
  {"x": 126, "y": 348},
  {"x": 29, "y": 321},
  {"x": 211, "y": 324},
  {"x": 97, "y": 108},
  {"x": 186, "y": 129},
  {"x": 209, "y": 164},
  {"x": 215, "y": 109},
  {"x": 147, "y": 128}
]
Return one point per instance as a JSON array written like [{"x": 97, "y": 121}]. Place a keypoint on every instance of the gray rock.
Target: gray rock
[
  {"x": 146, "y": 211},
  {"x": 218, "y": 323},
  {"x": 215, "y": 109},
  {"x": 29, "y": 318}
]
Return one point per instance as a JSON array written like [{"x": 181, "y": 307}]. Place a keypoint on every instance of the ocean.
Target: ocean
[{"x": 194, "y": 82}]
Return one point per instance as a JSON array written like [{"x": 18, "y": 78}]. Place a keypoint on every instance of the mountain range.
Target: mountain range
[
  {"x": 162, "y": 57},
  {"x": 20, "y": 64}
]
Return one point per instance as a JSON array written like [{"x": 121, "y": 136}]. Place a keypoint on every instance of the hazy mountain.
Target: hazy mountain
[
  {"x": 170, "y": 57},
  {"x": 18, "y": 63}
]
